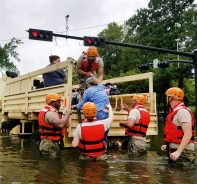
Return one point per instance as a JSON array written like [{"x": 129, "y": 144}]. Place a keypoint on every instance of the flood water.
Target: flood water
[{"x": 20, "y": 163}]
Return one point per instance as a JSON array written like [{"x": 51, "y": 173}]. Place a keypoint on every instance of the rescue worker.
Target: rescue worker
[
  {"x": 87, "y": 65},
  {"x": 136, "y": 125},
  {"x": 90, "y": 134},
  {"x": 52, "y": 125},
  {"x": 179, "y": 129}
]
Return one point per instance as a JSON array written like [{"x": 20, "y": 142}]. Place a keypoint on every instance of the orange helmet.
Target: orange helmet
[
  {"x": 141, "y": 99},
  {"x": 89, "y": 109},
  {"x": 52, "y": 97},
  {"x": 92, "y": 51},
  {"x": 176, "y": 93}
]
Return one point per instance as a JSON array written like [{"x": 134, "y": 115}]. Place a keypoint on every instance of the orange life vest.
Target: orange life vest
[
  {"x": 140, "y": 128},
  {"x": 92, "y": 143},
  {"x": 172, "y": 132},
  {"x": 89, "y": 67},
  {"x": 47, "y": 130}
]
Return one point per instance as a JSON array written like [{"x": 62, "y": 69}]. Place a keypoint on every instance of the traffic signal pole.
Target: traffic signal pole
[
  {"x": 192, "y": 55},
  {"x": 133, "y": 46},
  {"x": 67, "y": 36},
  {"x": 195, "y": 70},
  {"x": 151, "y": 48},
  {"x": 182, "y": 61}
]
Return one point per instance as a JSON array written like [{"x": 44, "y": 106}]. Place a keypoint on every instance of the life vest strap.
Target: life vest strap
[
  {"x": 93, "y": 150},
  {"x": 144, "y": 126},
  {"x": 91, "y": 142},
  {"x": 50, "y": 134},
  {"x": 49, "y": 129},
  {"x": 143, "y": 134}
]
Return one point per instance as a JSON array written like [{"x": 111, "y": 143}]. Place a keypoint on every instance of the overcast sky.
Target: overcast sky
[{"x": 17, "y": 16}]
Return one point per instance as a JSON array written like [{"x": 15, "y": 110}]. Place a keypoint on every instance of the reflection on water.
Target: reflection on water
[{"x": 20, "y": 163}]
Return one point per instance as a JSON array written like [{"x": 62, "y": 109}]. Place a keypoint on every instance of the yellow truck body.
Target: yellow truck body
[{"x": 22, "y": 101}]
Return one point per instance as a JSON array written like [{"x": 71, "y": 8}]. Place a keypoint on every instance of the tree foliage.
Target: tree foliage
[
  {"x": 7, "y": 52},
  {"x": 112, "y": 54},
  {"x": 159, "y": 25}
]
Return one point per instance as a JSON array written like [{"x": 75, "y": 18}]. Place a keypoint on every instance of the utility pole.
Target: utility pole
[
  {"x": 67, "y": 28},
  {"x": 177, "y": 47}
]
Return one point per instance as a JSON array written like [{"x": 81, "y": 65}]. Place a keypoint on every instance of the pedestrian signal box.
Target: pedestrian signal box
[
  {"x": 94, "y": 41},
  {"x": 164, "y": 64},
  {"x": 144, "y": 66},
  {"x": 42, "y": 35}
]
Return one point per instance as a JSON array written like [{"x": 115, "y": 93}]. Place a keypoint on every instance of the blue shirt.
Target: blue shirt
[
  {"x": 97, "y": 95},
  {"x": 54, "y": 78}
]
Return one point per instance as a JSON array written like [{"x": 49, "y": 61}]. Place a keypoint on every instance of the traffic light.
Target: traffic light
[
  {"x": 94, "y": 41},
  {"x": 164, "y": 64},
  {"x": 42, "y": 35},
  {"x": 144, "y": 66}
]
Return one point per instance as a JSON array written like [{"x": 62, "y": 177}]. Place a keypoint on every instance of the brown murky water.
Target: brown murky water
[{"x": 20, "y": 163}]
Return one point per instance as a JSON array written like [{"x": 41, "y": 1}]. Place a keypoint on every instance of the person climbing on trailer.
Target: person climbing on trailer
[
  {"x": 87, "y": 64},
  {"x": 96, "y": 94}
]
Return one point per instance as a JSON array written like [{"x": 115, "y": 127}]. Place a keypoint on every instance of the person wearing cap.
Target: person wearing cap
[
  {"x": 96, "y": 94},
  {"x": 89, "y": 135},
  {"x": 136, "y": 125},
  {"x": 179, "y": 129},
  {"x": 52, "y": 125},
  {"x": 87, "y": 64}
]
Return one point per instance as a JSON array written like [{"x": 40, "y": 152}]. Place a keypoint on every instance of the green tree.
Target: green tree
[
  {"x": 9, "y": 51},
  {"x": 112, "y": 54},
  {"x": 156, "y": 26},
  {"x": 189, "y": 35}
]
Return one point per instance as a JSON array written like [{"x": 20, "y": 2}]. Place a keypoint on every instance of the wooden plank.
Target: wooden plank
[{"x": 51, "y": 68}]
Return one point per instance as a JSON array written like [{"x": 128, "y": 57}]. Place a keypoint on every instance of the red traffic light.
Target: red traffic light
[
  {"x": 35, "y": 33},
  {"x": 90, "y": 40},
  {"x": 94, "y": 41},
  {"x": 42, "y": 35}
]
